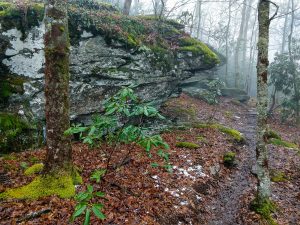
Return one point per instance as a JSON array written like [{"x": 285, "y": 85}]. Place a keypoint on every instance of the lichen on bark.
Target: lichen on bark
[{"x": 59, "y": 151}]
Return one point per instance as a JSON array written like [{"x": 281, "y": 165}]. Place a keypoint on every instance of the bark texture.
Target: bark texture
[
  {"x": 263, "y": 188},
  {"x": 59, "y": 152}
]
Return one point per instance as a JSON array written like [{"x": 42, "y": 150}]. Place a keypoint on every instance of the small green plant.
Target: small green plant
[
  {"x": 122, "y": 123},
  {"x": 229, "y": 159},
  {"x": 85, "y": 206},
  {"x": 98, "y": 174},
  {"x": 24, "y": 165},
  {"x": 85, "y": 200},
  {"x": 265, "y": 208}
]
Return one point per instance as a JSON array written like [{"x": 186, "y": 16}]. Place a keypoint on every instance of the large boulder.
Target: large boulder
[
  {"x": 108, "y": 51},
  {"x": 236, "y": 94}
]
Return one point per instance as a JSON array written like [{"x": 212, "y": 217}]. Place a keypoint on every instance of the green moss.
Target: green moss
[
  {"x": 229, "y": 158},
  {"x": 11, "y": 16},
  {"x": 202, "y": 139},
  {"x": 12, "y": 131},
  {"x": 278, "y": 176},
  {"x": 187, "y": 145},
  {"x": 36, "y": 168},
  {"x": 273, "y": 134},
  {"x": 265, "y": 208},
  {"x": 10, "y": 85},
  {"x": 282, "y": 143},
  {"x": 228, "y": 114},
  {"x": 42, "y": 186},
  {"x": 9, "y": 157},
  {"x": 235, "y": 134},
  {"x": 188, "y": 44}
]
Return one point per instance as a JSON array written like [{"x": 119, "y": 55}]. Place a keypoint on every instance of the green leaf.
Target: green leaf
[
  {"x": 98, "y": 212},
  {"x": 100, "y": 194},
  {"x": 90, "y": 189},
  {"x": 81, "y": 196},
  {"x": 154, "y": 165},
  {"x": 98, "y": 206},
  {"x": 78, "y": 212},
  {"x": 87, "y": 217}
]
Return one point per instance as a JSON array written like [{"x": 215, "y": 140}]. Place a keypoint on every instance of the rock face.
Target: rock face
[{"x": 98, "y": 69}]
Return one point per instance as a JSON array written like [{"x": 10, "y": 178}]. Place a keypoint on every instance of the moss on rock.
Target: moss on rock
[
  {"x": 187, "y": 145},
  {"x": 12, "y": 16},
  {"x": 189, "y": 44},
  {"x": 34, "y": 169},
  {"x": 12, "y": 132}
]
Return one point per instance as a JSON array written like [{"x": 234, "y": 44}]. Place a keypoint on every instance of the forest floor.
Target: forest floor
[{"x": 200, "y": 190}]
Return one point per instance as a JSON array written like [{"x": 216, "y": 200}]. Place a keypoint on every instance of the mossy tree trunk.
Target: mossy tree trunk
[
  {"x": 59, "y": 151},
  {"x": 127, "y": 6},
  {"x": 263, "y": 188}
]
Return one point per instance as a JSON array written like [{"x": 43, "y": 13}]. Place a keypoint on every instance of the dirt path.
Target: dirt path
[{"x": 226, "y": 205}]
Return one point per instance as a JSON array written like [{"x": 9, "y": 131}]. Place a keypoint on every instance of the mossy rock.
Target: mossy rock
[
  {"x": 265, "y": 208},
  {"x": 283, "y": 143},
  {"x": 197, "y": 48},
  {"x": 34, "y": 169},
  {"x": 229, "y": 159},
  {"x": 188, "y": 145},
  {"x": 11, "y": 16},
  {"x": 15, "y": 133}
]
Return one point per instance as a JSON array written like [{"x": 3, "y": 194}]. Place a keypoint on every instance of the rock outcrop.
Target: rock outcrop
[{"x": 108, "y": 51}]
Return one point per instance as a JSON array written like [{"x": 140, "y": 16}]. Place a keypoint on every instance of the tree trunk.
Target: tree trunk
[
  {"x": 199, "y": 17},
  {"x": 293, "y": 69},
  {"x": 127, "y": 6},
  {"x": 57, "y": 47},
  {"x": 245, "y": 38},
  {"x": 227, "y": 40},
  {"x": 286, "y": 19},
  {"x": 251, "y": 57},
  {"x": 238, "y": 47},
  {"x": 263, "y": 188}
]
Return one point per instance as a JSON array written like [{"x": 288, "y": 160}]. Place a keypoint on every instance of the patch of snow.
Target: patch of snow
[{"x": 192, "y": 172}]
